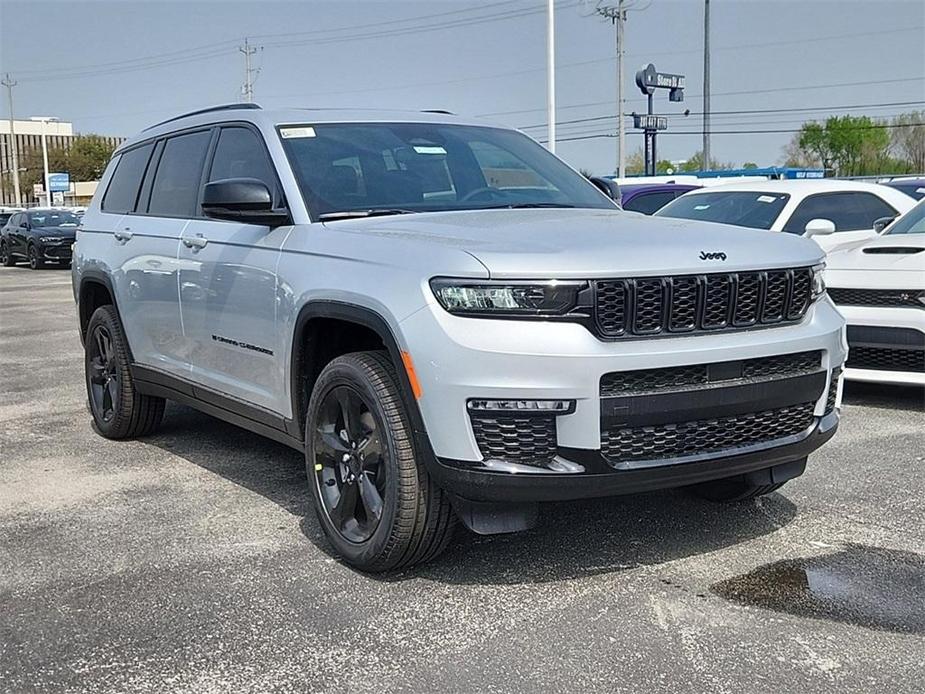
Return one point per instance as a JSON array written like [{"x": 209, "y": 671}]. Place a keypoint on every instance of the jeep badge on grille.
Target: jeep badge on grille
[{"x": 712, "y": 256}]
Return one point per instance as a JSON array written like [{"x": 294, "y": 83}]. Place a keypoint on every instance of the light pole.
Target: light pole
[
  {"x": 551, "y": 75},
  {"x": 45, "y": 120}
]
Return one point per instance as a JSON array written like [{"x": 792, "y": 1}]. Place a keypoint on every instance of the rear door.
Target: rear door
[
  {"x": 149, "y": 236},
  {"x": 228, "y": 285}
]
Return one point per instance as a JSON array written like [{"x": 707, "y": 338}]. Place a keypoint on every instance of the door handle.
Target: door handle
[
  {"x": 123, "y": 236},
  {"x": 195, "y": 242}
]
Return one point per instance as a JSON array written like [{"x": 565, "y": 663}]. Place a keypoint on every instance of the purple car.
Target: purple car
[
  {"x": 647, "y": 198},
  {"x": 914, "y": 187}
]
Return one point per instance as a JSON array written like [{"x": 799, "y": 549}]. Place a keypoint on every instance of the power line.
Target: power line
[
  {"x": 756, "y": 111},
  {"x": 733, "y": 93}
]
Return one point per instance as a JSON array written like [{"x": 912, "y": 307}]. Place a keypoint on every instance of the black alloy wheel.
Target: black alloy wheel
[
  {"x": 35, "y": 262},
  {"x": 105, "y": 377},
  {"x": 349, "y": 468},
  {"x": 6, "y": 260}
]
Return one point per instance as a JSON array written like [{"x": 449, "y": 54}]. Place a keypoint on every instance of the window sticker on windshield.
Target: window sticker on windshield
[
  {"x": 701, "y": 207},
  {"x": 290, "y": 133},
  {"x": 421, "y": 149},
  {"x": 920, "y": 190},
  {"x": 766, "y": 198}
]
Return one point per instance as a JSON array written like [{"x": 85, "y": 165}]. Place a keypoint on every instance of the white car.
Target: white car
[
  {"x": 835, "y": 213},
  {"x": 879, "y": 286}
]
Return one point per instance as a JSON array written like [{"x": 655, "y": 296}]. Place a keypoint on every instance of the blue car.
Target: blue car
[{"x": 914, "y": 187}]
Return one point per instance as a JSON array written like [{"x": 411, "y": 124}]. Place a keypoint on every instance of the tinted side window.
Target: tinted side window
[
  {"x": 647, "y": 203},
  {"x": 240, "y": 154},
  {"x": 848, "y": 211},
  {"x": 175, "y": 192},
  {"x": 123, "y": 188}
]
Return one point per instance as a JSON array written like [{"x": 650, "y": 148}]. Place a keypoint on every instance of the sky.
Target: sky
[{"x": 116, "y": 67}]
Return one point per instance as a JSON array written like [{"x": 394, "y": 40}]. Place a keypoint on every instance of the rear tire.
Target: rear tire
[
  {"x": 6, "y": 260},
  {"x": 119, "y": 411},
  {"x": 415, "y": 521},
  {"x": 732, "y": 490},
  {"x": 35, "y": 262}
]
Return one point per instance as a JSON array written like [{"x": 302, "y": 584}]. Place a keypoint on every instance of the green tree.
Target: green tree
[
  {"x": 31, "y": 161},
  {"x": 908, "y": 139},
  {"x": 749, "y": 165},
  {"x": 851, "y": 145},
  {"x": 87, "y": 157},
  {"x": 635, "y": 162}
]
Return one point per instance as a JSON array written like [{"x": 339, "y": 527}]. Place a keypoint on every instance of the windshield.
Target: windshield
[
  {"x": 747, "y": 209},
  {"x": 423, "y": 167},
  {"x": 913, "y": 222},
  {"x": 53, "y": 219}
]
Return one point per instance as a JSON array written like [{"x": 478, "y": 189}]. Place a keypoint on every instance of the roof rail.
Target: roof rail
[
  {"x": 438, "y": 110},
  {"x": 220, "y": 107}
]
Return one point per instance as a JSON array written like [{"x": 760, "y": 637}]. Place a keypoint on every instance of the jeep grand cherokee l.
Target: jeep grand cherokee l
[{"x": 449, "y": 321}]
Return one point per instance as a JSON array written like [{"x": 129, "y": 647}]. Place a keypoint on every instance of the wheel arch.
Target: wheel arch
[
  {"x": 367, "y": 319},
  {"x": 95, "y": 290}
]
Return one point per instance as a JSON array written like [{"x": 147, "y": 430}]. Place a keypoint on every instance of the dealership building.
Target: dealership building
[{"x": 59, "y": 135}]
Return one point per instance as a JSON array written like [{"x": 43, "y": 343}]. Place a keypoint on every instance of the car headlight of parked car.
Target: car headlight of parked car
[
  {"x": 818, "y": 281},
  {"x": 49, "y": 239},
  {"x": 511, "y": 298}
]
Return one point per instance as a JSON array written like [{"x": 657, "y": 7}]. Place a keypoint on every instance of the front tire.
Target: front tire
[
  {"x": 371, "y": 491},
  {"x": 35, "y": 262},
  {"x": 119, "y": 411}
]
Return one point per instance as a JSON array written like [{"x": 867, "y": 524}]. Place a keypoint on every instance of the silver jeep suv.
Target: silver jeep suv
[{"x": 447, "y": 319}]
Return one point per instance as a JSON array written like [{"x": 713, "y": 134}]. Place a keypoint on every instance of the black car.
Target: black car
[{"x": 39, "y": 236}]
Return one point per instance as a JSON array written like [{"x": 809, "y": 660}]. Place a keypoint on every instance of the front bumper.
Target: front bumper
[
  {"x": 457, "y": 359},
  {"x": 56, "y": 252},
  {"x": 877, "y": 332},
  {"x": 481, "y": 484}
]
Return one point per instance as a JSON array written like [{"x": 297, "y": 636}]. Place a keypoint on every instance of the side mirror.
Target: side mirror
[
  {"x": 244, "y": 200},
  {"x": 607, "y": 187},
  {"x": 882, "y": 223},
  {"x": 819, "y": 227}
]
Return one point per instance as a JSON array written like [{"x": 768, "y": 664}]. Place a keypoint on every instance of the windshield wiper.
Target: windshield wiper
[{"x": 354, "y": 214}]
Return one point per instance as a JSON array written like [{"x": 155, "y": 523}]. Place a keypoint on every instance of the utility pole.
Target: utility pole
[
  {"x": 706, "y": 84},
  {"x": 249, "y": 73},
  {"x": 551, "y": 75},
  {"x": 9, "y": 83},
  {"x": 617, "y": 15}
]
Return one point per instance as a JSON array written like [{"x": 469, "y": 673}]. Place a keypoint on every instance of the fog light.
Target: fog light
[{"x": 522, "y": 406}]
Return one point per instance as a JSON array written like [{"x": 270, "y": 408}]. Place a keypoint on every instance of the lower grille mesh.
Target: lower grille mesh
[
  {"x": 833, "y": 392},
  {"x": 884, "y": 359},
  {"x": 525, "y": 440},
  {"x": 705, "y": 436}
]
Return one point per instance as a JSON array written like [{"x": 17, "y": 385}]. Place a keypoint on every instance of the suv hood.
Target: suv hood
[
  {"x": 587, "y": 243},
  {"x": 62, "y": 232},
  {"x": 886, "y": 260}
]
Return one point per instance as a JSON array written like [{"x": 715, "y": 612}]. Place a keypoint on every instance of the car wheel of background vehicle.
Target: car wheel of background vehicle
[
  {"x": 119, "y": 411},
  {"x": 371, "y": 491},
  {"x": 6, "y": 260},
  {"x": 732, "y": 489},
  {"x": 35, "y": 262}
]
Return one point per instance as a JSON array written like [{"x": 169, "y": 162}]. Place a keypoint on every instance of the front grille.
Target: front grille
[
  {"x": 526, "y": 440},
  {"x": 705, "y": 436},
  {"x": 885, "y": 359},
  {"x": 700, "y": 303},
  {"x": 703, "y": 375},
  {"x": 877, "y": 297},
  {"x": 832, "y": 395}
]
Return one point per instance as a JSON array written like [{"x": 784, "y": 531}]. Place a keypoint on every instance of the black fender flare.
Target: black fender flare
[
  {"x": 368, "y": 318},
  {"x": 99, "y": 277}
]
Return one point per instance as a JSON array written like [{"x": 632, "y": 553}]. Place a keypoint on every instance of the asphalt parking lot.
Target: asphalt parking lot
[{"x": 192, "y": 562}]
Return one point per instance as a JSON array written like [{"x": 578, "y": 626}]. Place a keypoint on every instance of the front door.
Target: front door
[{"x": 228, "y": 287}]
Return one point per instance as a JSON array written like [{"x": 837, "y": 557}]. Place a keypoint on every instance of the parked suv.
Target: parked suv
[
  {"x": 448, "y": 321},
  {"x": 39, "y": 236}
]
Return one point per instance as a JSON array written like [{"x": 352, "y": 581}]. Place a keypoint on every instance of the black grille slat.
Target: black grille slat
[
  {"x": 697, "y": 376},
  {"x": 700, "y": 303},
  {"x": 876, "y": 297},
  {"x": 526, "y": 440},
  {"x": 886, "y": 359},
  {"x": 832, "y": 395},
  {"x": 670, "y": 441}
]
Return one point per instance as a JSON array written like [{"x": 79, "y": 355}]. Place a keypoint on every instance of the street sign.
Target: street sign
[
  {"x": 57, "y": 198},
  {"x": 648, "y": 79},
  {"x": 38, "y": 190},
  {"x": 646, "y": 122},
  {"x": 59, "y": 182}
]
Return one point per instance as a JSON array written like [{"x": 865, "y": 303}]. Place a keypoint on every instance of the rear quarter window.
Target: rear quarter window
[{"x": 122, "y": 193}]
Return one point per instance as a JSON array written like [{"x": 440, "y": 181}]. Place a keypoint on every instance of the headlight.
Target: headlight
[
  {"x": 818, "y": 281},
  {"x": 48, "y": 239},
  {"x": 513, "y": 298}
]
